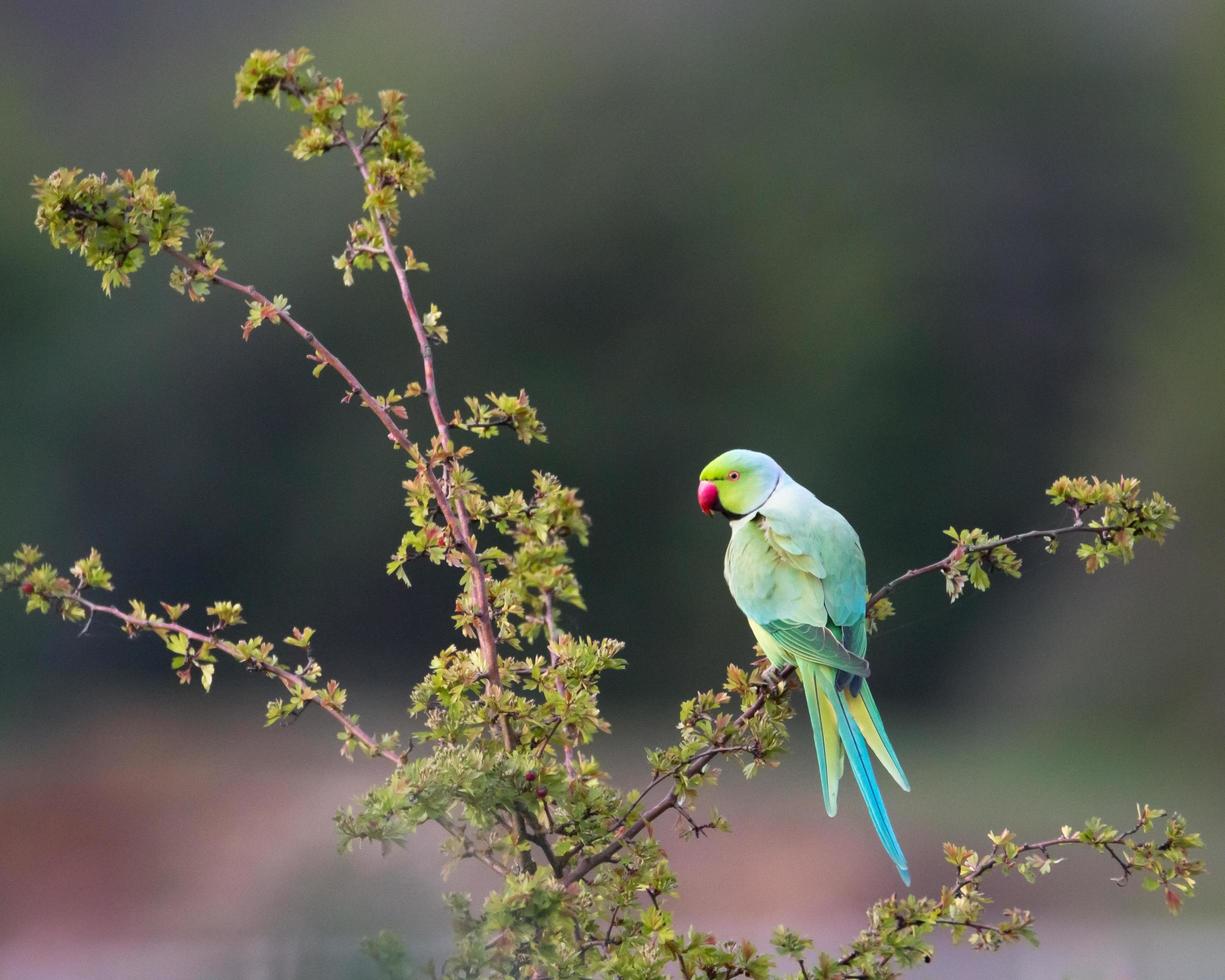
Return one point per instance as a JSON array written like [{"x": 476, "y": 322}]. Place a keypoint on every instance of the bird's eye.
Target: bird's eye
[{"x": 733, "y": 475}]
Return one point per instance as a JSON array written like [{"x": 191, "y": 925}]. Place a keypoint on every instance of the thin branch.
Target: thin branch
[
  {"x": 871, "y": 952},
  {"x": 612, "y": 924},
  {"x": 370, "y": 137},
  {"x": 486, "y": 635},
  {"x": 698, "y": 829},
  {"x": 470, "y": 849},
  {"x": 541, "y": 839},
  {"x": 699, "y": 763},
  {"x": 674, "y": 949},
  {"x": 455, "y": 518},
  {"x": 1126, "y": 868},
  {"x": 992, "y": 857},
  {"x": 1079, "y": 527},
  {"x": 287, "y": 677},
  {"x": 551, "y": 629},
  {"x": 705, "y": 756}
]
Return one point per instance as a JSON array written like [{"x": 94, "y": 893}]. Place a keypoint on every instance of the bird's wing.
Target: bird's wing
[
  {"x": 815, "y": 538},
  {"x": 815, "y": 646},
  {"x": 779, "y": 581}
]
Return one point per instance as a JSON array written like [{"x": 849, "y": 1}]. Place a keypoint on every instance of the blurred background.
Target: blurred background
[{"x": 928, "y": 256}]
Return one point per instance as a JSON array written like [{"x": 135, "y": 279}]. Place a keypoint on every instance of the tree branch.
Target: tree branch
[
  {"x": 470, "y": 849},
  {"x": 551, "y": 630},
  {"x": 997, "y": 855},
  {"x": 894, "y": 938},
  {"x": 1079, "y": 527},
  {"x": 287, "y": 677},
  {"x": 452, "y": 512},
  {"x": 455, "y": 518},
  {"x": 461, "y": 528}
]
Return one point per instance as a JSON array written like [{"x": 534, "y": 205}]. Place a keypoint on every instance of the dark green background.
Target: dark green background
[{"x": 928, "y": 256}]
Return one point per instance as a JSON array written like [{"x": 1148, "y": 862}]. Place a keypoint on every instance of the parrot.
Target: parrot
[{"x": 796, "y": 569}]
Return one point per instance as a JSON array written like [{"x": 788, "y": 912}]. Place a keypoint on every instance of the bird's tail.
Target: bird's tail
[
  {"x": 862, "y": 708},
  {"x": 844, "y": 726}
]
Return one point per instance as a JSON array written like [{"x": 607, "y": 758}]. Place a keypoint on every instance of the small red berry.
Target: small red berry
[
  {"x": 542, "y": 792},
  {"x": 27, "y": 588},
  {"x": 530, "y": 775}
]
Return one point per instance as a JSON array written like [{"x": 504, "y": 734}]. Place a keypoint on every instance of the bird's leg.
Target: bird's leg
[{"x": 770, "y": 677}]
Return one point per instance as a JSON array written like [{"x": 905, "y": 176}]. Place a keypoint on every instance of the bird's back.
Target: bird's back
[{"x": 796, "y": 559}]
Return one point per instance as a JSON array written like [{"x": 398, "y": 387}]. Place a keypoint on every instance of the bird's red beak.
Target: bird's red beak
[{"x": 708, "y": 497}]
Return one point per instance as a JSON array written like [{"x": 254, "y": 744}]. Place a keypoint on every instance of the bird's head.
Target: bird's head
[{"x": 737, "y": 483}]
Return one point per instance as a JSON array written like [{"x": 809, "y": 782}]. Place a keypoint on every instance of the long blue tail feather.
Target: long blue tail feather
[
  {"x": 857, "y": 752},
  {"x": 861, "y": 767}
]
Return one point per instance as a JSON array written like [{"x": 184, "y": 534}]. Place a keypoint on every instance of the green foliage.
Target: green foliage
[
  {"x": 486, "y": 418},
  {"x": 878, "y": 611},
  {"x": 508, "y": 714},
  {"x": 111, "y": 224},
  {"x": 391, "y": 161},
  {"x": 898, "y": 929},
  {"x": 258, "y": 312},
  {"x": 390, "y": 956},
  {"x": 434, "y": 327},
  {"x": 976, "y": 556},
  {"x": 1125, "y": 517}
]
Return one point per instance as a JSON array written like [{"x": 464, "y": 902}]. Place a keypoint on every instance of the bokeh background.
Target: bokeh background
[{"x": 930, "y": 256}]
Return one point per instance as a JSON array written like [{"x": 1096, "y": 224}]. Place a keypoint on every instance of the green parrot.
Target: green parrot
[{"x": 796, "y": 570}]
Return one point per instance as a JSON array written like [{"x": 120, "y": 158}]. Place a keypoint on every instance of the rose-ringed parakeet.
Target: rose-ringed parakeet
[{"x": 796, "y": 570}]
